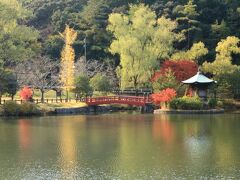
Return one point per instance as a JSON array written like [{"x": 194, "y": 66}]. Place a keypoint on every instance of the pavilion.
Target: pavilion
[{"x": 198, "y": 85}]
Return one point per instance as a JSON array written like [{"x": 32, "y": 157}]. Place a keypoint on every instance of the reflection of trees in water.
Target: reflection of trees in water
[
  {"x": 68, "y": 147},
  {"x": 101, "y": 141},
  {"x": 226, "y": 133},
  {"x": 163, "y": 129},
  {"x": 136, "y": 149},
  {"x": 25, "y": 137}
]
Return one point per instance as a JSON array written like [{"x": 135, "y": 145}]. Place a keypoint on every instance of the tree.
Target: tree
[
  {"x": 220, "y": 30},
  {"x": 188, "y": 24},
  {"x": 100, "y": 83},
  {"x": 182, "y": 70},
  {"x": 195, "y": 53},
  {"x": 67, "y": 59},
  {"x": 141, "y": 40},
  {"x": 190, "y": 9},
  {"x": 223, "y": 69},
  {"x": 92, "y": 67},
  {"x": 17, "y": 41},
  {"x": 82, "y": 86},
  {"x": 8, "y": 83},
  {"x": 223, "y": 63},
  {"x": 164, "y": 97},
  {"x": 26, "y": 93},
  {"x": 12, "y": 84},
  {"x": 39, "y": 73},
  {"x": 166, "y": 80}
]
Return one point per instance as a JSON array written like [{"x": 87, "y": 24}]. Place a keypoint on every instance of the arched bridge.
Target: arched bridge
[{"x": 129, "y": 100}]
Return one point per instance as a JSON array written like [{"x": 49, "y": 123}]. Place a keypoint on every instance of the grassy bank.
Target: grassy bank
[{"x": 27, "y": 108}]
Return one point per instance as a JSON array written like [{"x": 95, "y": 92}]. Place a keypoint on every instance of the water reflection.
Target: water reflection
[
  {"x": 25, "y": 138},
  {"x": 121, "y": 147},
  {"x": 163, "y": 129},
  {"x": 68, "y": 146}
]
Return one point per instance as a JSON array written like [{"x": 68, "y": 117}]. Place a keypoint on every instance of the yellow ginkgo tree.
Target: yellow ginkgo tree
[{"x": 67, "y": 59}]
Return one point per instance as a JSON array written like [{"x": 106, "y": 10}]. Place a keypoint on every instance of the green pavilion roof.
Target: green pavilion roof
[{"x": 198, "y": 78}]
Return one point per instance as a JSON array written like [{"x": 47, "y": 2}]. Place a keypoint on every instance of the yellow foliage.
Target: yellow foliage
[
  {"x": 198, "y": 50},
  {"x": 223, "y": 63},
  {"x": 67, "y": 59},
  {"x": 141, "y": 40}
]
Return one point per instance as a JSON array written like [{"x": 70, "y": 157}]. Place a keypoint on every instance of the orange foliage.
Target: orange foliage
[
  {"x": 165, "y": 95},
  {"x": 26, "y": 93}
]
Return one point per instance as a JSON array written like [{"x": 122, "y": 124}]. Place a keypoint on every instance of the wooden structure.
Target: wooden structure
[
  {"x": 92, "y": 101},
  {"x": 129, "y": 100},
  {"x": 198, "y": 85}
]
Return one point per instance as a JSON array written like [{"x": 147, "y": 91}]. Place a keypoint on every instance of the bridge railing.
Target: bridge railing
[
  {"x": 88, "y": 100},
  {"x": 116, "y": 99}
]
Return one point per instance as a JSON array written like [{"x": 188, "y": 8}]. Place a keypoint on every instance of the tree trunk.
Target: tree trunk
[
  {"x": 42, "y": 96},
  {"x": 67, "y": 95},
  {"x": 135, "y": 84},
  {"x": 0, "y": 98},
  {"x": 12, "y": 97}
]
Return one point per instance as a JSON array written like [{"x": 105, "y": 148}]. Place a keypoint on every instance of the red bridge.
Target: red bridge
[{"x": 129, "y": 100}]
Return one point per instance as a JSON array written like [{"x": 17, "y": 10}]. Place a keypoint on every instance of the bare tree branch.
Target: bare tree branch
[{"x": 40, "y": 73}]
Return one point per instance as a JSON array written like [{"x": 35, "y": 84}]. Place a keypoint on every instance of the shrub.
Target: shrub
[
  {"x": 28, "y": 108},
  {"x": 11, "y": 108},
  {"x": 212, "y": 103},
  {"x": 229, "y": 104},
  {"x": 176, "y": 103},
  {"x": 219, "y": 104},
  {"x": 26, "y": 94},
  {"x": 187, "y": 103}
]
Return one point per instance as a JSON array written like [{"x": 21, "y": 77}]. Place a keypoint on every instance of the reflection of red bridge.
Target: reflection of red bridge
[{"x": 129, "y": 100}]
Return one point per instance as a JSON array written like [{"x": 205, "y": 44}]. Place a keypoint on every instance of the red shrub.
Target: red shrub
[
  {"x": 164, "y": 96},
  {"x": 26, "y": 93},
  {"x": 182, "y": 70}
]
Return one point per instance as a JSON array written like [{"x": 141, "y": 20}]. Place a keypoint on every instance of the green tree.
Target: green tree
[
  {"x": 189, "y": 24},
  {"x": 12, "y": 84},
  {"x": 17, "y": 42},
  {"x": 164, "y": 82},
  {"x": 142, "y": 41},
  {"x": 100, "y": 83},
  {"x": 8, "y": 83},
  {"x": 82, "y": 86}
]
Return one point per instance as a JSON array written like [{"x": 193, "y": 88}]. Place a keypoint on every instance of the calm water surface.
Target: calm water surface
[{"x": 121, "y": 146}]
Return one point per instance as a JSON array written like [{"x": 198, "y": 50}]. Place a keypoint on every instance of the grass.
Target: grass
[
  {"x": 51, "y": 94},
  {"x": 62, "y": 105}
]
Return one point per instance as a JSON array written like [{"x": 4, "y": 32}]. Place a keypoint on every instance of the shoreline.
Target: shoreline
[
  {"x": 172, "y": 111},
  {"x": 86, "y": 110}
]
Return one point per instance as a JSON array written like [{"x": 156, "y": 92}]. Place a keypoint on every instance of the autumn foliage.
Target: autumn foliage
[
  {"x": 26, "y": 93},
  {"x": 182, "y": 70},
  {"x": 164, "y": 96}
]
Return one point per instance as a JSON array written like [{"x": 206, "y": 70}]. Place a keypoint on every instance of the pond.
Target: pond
[{"x": 121, "y": 146}]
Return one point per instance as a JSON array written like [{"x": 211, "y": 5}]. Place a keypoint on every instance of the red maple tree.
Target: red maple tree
[
  {"x": 182, "y": 69},
  {"x": 164, "y": 96},
  {"x": 26, "y": 93}
]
